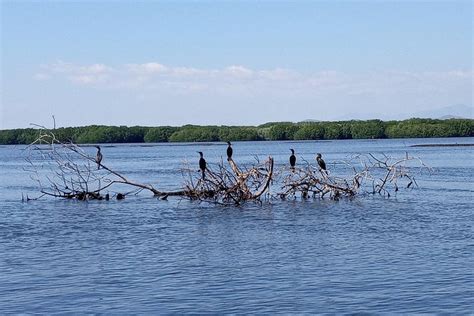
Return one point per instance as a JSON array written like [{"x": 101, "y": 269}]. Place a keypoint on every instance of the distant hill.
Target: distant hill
[
  {"x": 452, "y": 111},
  {"x": 447, "y": 112}
]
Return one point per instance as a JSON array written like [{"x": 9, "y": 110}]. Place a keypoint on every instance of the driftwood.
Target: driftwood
[
  {"x": 369, "y": 175},
  {"x": 65, "y": 170},
  {"x": 230, "y": 185}
]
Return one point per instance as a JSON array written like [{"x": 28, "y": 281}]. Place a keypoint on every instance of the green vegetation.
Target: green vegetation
[
  {"x": 159, "y": 134},
  {"x": 270, "y": 131}
]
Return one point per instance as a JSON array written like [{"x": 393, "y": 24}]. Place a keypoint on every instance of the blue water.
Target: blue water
[{"x": 410, "y": 253}]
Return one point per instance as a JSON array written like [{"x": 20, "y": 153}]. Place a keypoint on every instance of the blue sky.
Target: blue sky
[{"x": 241, "y": 62}]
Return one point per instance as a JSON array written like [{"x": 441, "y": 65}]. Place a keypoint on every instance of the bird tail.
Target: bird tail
[{"x": 203, "y": 174}]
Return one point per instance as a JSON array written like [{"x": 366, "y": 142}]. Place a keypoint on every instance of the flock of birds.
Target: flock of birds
[{"x": 230, "y": 151}]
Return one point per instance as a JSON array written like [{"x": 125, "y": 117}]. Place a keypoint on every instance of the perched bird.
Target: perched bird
[
  {"x": 81, "y": 196},
  {"x": 98, "y": 157},
  {"x": 202, "y": 164},
  {"x": 292, "y": 159},
  {"x": 321, "y": 162},
  {"x": 229, "y": 151}
]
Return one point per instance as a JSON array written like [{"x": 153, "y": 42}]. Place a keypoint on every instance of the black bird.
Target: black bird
[
  {"x": 98, "y": 157},
  {"x": 229, "y": 151},
  {"x": 292, "y": 159},
  {"x": 321, "y": 162},
  {"x": 202, "y": 164}
]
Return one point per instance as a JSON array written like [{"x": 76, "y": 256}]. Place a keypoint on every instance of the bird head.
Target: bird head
[
  {"x": 98, "y": 147},
  {"x": 228, "y": 143},
  {"x": 200, "y": 153},
  {"x": 292, "y": 151},
  {"x": 318, "y": 155}
]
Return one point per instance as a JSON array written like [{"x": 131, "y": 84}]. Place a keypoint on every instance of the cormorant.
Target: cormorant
[
  {"x": 321, "y": 162},
  {"x": 202, "y": 164},
  {"x": 98, "y": 157},
  {"x": 81, "y": 196},
  {"x": 229, "y": 151},
  {"x": 292, "y": 159}
]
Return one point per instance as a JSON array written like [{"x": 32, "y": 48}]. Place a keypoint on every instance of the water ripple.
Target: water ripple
[{"x": 409, "y": 254}]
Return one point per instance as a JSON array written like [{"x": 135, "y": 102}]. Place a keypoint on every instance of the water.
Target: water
[{"x": 411, "y": 253}]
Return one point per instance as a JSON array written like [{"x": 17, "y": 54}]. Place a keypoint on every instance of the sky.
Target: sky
[{"x": 231, "y": 62}]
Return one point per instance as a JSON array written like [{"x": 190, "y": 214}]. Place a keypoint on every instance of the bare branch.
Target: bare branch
[{"x": 65, "y": 170}]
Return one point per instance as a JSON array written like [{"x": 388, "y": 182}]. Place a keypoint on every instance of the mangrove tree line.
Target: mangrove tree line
[{"x": 356, "y": 129}]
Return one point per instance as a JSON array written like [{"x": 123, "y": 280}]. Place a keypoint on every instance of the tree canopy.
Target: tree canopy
[{"x": 355, "y": 129}]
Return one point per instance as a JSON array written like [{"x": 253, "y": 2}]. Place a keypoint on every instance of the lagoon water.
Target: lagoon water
[{"x": 410, "y": 253}]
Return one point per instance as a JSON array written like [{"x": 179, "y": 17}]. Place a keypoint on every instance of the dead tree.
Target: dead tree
[
  {"x": 311, "y": 182},
  {"x": 385, "y": 174},
  {"x": 230, "y": 186},
  {"x": 368, "y": 175},
  {"x": 66, "y": 170}
]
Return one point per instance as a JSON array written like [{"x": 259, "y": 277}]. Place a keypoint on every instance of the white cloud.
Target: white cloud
[
  {"x": 153, "y": 93},
  {"x": 278, "y": 74},
  {"x": 89, "y": 79},
  {"x": 237, "y": 79},
  {"x": 147, "y": 68},
  {"x": 41, "y": 76},
  {"x": 65, "y": 67},
  {"x": 238, "y": 71},
  {"x": 94, "y": 69},
  {"x": 189, "y": 72},
  {"x": 80, "y": 74}
]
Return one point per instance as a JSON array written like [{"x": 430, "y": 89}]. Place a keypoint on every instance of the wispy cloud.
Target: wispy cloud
[
  {"x": 41, "y": 76},
  {"x": 147, "y": 68},
  {"x": 154, "y": 76},
  {"x": 81, "y": 74}
]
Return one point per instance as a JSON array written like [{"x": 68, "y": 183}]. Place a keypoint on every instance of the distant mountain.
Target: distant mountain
[
  {"x": 453, "y": 111},
  {"x": 447, "y": 112},
  {"x": 361, "y": 116}
]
